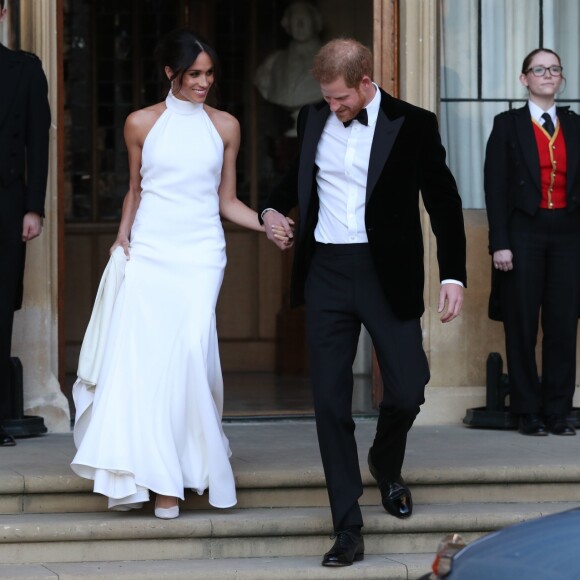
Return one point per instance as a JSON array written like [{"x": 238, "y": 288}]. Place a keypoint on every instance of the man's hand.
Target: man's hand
[
  {"x": 502, "y": 260},
  {"x": 31, "y": 226},
  {"x": 450, "y": 301},
  {"x": 279, "y": 229}
]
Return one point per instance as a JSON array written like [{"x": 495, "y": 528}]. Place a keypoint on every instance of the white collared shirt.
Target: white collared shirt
[
  {"x": 342, "y": 159},
  {"x": 537, "y": 112}
]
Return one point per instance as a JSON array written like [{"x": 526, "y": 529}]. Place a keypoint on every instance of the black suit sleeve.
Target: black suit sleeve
[
  {"x": 443, "y": 204},
  {"x": 37, "y": 137},
  {"x": 496, "y": 184},
  {"x": 284, "y": 196}
]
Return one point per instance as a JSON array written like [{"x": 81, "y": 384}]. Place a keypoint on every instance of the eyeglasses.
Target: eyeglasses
[{"x": 540, "y": 71}]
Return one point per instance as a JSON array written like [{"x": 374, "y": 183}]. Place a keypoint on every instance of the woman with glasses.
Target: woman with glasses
[{"x": 532, "y": 192}]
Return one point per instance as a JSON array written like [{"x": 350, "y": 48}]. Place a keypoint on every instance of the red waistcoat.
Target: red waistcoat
[{"x": 552, "y": 152}]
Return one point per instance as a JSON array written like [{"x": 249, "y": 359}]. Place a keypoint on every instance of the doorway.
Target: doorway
[{"x": 110, "y": 70}]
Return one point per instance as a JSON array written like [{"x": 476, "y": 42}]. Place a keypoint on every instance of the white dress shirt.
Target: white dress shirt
[
  {"x": 537, "y": 112},
  {"x": 342, "y": 159}
]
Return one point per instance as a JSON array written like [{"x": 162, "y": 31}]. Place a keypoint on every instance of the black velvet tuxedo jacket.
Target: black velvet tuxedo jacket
[
  {"x": 512, "y": 169},
  {"x": 406, "y": 158},
  {"x": 24, "y": 135}
]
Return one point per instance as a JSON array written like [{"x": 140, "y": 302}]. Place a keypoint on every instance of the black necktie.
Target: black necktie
[
  {"x": 362, "y": 118},
  {"x": 548, "y": 125}
]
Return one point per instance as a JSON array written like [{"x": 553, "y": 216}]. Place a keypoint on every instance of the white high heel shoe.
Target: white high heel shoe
[{"x": 169, "y": 513}]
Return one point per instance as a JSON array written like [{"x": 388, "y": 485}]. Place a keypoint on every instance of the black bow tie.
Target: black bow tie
[{"x": 362, "y": 118}]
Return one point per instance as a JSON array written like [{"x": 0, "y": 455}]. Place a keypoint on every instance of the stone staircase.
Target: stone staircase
[{"x": 466, "y": 481}]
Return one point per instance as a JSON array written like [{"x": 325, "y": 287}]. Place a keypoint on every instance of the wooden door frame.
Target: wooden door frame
[
  {"x": 386, "y": 44},
  {"x": 386, "y": 74},
  {"x": 60, "y": 185}
]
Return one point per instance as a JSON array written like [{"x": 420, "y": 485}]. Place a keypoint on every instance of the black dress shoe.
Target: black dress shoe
[
  {"x": 532, "y": 424},
  {"x": 395, "y": 495},
  {"x": 6, "y": 440},
  {"x": 559, "y": 425},
  {"x": 349, "y": 547}
]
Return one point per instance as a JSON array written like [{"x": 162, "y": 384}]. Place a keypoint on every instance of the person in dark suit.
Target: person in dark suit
[
  {"x": 532, "y": 193},
  {"x": 364, "y": 157},
  {"x": 24, "y": 132}
]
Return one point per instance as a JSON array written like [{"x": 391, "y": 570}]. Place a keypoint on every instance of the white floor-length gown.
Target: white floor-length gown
[{"x": 153, "y": 421}]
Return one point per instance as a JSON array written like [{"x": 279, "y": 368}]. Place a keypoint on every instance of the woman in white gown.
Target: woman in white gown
[{"x": 152, "y": 422}]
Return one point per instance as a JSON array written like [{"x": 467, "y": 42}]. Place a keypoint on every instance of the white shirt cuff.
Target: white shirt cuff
[{"x": 451, "y": 281}]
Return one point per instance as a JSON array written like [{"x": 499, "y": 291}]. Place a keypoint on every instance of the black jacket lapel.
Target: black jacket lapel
[
  {"x": 527, "y": 141},
  {"x": 386, "y": 132}
]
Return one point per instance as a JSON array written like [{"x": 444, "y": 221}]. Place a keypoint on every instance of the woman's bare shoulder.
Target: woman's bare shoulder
[
  {"x": 226, "y": 124},
  {"x": 140, "y": 122},
  {"x": 145, "y": 116}
]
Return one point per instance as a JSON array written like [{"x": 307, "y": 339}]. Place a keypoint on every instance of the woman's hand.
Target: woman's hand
[
  {"x": 123, "y": 241},
  {"x": 503, "y": 260}
]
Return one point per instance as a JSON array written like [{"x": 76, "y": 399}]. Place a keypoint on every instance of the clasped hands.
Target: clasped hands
[{"x": 279, "y": 229}]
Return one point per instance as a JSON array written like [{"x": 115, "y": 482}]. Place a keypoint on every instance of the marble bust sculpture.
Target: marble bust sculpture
[{"x": 284, "y": 77}]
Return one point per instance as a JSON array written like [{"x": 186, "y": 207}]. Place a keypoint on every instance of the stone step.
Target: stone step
[
  {"x": 61, "y": 491},
  {"x": 243, "y": 533},
  {"x": 462, "y": 481},
  {"x": 373, "y": 567}
]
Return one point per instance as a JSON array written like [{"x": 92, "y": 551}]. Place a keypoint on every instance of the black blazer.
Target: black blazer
[
  {"x": 512, "y": 169},
  {"x": 24, "y": 133},
  {"x": 406, "y": 157}
]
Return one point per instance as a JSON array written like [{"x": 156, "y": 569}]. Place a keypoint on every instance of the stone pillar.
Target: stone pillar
[
  {"x": 418, "y": 83},
  {"x": 35, "y": 339},
  {"x": 456, "y": 351}
]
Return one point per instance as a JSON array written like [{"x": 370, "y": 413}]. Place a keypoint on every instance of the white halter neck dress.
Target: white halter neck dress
[{"x": 153, "y": 421}]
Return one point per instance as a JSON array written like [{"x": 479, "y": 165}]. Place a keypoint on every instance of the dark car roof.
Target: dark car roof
[{"x": 546, "y": 548}]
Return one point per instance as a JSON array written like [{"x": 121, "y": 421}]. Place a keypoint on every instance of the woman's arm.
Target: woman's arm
[
  {"x": 137, "y": 125},
  {"x": 231, "y": 208}
]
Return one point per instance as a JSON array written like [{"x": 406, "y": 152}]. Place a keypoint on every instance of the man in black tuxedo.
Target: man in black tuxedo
[
  {"x": 24, "y": 132},
  {"x": 364, "y": 156}
]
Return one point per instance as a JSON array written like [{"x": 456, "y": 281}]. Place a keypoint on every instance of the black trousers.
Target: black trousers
[
  {"x": 546, "y": 278},
  {"x": 12, "y": 255},
  {"x": 343, "y": 292}
]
